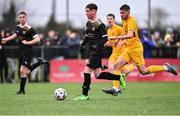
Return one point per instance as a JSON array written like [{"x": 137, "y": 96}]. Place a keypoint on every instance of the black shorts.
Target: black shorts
[
  {"x": 26, "y": 60},
  {"x": 94, "y": 61}
]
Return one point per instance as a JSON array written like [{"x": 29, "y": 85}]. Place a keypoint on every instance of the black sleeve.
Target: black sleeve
[
  {"x": 33, "y": 32},
  {"x": 104, "y": 37},
  {"x": 84, "y": 41},
  {"x": 17, "y": 31},
  {"x": 85, "y": 38}
]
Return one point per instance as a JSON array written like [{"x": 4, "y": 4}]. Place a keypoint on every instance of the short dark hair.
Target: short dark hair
[
  {"x": 111, "y": 15},
  {"x": 22, "y": 12},
  {"x": 92, "y": 6},
  {"x": 125, "y": 7}
]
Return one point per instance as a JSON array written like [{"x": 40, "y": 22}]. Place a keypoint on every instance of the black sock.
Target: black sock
[
  {"x": 22, "y": 83},
  {"x": 108, "y": 76},
  {"x": 35, "y": 65},
  {"x": 86, "y": 84}
]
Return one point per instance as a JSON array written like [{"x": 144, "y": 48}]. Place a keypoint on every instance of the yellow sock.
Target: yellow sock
[
  {"x": 116, "y": 83},
  {"x": 155, "y": 68}
]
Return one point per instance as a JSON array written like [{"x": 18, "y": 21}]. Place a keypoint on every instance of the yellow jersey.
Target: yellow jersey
[
  {"x": 115, "y": 31},
  {"x": 130, "y": 25}
]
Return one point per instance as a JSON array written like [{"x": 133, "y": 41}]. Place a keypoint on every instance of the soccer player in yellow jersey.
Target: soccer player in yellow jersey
[
  {"x": 134, "y": 48},
  {"x": 115, "y": 30},
  {"x": 133, "y": 51}
]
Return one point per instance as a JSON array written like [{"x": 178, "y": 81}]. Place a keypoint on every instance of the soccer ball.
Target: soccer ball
[{"x": 60, "y": 94}]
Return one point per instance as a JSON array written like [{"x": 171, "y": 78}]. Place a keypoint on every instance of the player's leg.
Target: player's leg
[
  {"x": 119, "y": 64},
  {"x": 111, "y": 62},
  {"x": 128, "y": 68},
  {"x": 86, "y": 82},
  {"x": 40, "y": 62},
  {"x": 115, "y": 90},
  {"x": 156, "y": 68},
  {"x": 109, "y": 76},
  {"x": 24, "y": 72},
  {"x": 138, "y": 59}
]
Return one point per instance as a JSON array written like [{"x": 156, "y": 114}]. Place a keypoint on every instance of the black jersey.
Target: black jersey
[
  {"x": 27, "y": 33},
  {"x": 95, "y": 32}
]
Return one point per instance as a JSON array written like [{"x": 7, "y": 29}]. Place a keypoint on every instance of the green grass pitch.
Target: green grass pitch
[{"x": 139, "y": 98}]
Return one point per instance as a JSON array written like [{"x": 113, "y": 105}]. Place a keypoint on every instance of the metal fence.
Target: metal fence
[{"x": 68, "y": 52}]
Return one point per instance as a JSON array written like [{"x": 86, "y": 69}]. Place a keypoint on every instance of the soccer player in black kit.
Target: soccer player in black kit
[
  {"x": 27, "y": 37},
  {"x": 95, "y": 36}
]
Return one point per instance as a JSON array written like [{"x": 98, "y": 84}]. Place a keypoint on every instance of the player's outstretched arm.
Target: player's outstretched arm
[
  {"x": 4, "y": 40},
  {"x": 121, "y": 37},
  {"x": 127, "y": 36},
  {"x": 32, "y": 42}
]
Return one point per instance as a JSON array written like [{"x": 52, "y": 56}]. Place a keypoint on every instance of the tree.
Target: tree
[
  {"x": 159, "y": 18},
  {"x": 9, "y": 17}
]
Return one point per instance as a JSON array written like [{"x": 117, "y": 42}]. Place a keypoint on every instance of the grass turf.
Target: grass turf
[{"x": 139, "y": 98}]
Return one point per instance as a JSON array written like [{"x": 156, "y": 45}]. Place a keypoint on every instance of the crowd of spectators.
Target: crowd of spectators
[{"x": 164, "y": 42}]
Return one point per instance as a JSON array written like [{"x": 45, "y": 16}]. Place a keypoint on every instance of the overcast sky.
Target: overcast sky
[{"x": 41, "y": 10}]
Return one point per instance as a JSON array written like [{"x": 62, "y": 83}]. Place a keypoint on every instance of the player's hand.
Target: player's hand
[
  {"x": 25, "y": 42},
  {"x": 3, "y": 41},
  {"x": 116, "y": 42},
  {"x": 120, "y": 44}
]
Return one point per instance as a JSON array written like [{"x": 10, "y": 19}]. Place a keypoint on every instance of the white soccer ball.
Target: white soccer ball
[{"x": 60, "y": 94}]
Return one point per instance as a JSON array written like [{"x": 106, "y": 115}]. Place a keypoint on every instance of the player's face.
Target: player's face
[
  {"x": 110, "y": 20},
  {"x": 90, "y": 13},
  {"x": 22, "y": 18},
  {"x": 124, "y": 14}
]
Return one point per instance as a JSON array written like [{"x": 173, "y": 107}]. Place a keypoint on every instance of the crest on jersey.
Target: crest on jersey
[
  {"x": 24, "y": 32},
  {"x": 93, "y": 28}
]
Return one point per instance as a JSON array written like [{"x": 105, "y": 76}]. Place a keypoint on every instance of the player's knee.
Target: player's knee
[
  {"x": 143, "y": 72},
  {"x": 96, "y": 75},
  {"x": 116, "y": 67},
  {"x": 24, "y": 72}
]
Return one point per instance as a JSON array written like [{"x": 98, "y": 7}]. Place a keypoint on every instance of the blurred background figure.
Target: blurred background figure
[
  {"x": 169, "y": 41},
  {"x": 73, "y": 39},
  {"x": 63, "y": 40},
  {"x": 177, "y": 41},
  {"x": 147, "y": 43},
  {"x": 157, "y": 40},
  {"x": 158, "y": 44},
  {"x": 2, "y": 65},
  {"x": 11, "y": 62},
  {"x": 3, "y": 61},
  {"x": 52, "y": 38},
  {"x": 169, "y": 37}
]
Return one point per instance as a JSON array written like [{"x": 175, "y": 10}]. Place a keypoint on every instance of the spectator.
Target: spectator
[
  {"x": 41, "y": 37},
  {"x": 157, "y": 40},
  {"x": 52, "y": 38},
  {"x": 73, "y": 39},
  {"x": 168, "y": 38},
  {"x": 177, "y": 42},
  {"x": 63, "y": 40},
  {"x": 73, "y": 42},
  {"x": 147, "y": 43},
  {"x": 3, "y": 61}
]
